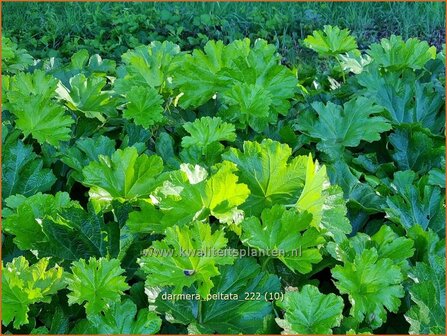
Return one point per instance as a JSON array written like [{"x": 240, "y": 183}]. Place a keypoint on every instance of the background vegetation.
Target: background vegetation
[{"x": 60, "y": 29}]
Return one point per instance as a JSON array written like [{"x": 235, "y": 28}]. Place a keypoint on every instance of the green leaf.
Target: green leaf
[
  {"x": 385, "y": 242},
  {"x": 40, "y": 331},
  {"x": 427, "y": 314},
  {"x": 372, "y": 272},
  {"x": 122, "y": 318},
  {"x": 98, "y": 65},
  {"x": 206, "y": 131},
  {"x": 144, "y": 106},
  {"x": 147, "y": 220},
  {"x": 196, "y": 76},
  {"x": 83, "y": 327},
  {"x": 23, "y": 285},
  {"x": 242, "y": 78},
  {"x": 331, "y": 41},
  {"x": 257, "y": 79},
  {"x": 14, "y": 59},
  {"x": 224, "y": 192},
  {"x": 73, "y": 234},
  {"x": 44, "y": 120},
  {"x": 79, "y": 59},
  {"x": 416, "y": 151},
  {"x": 426, "y": 243},
  {"x": 408, "y": 101},
  {"x": 149, "y": 66},
  {"x": 246, "y": 316},
  {"x": 55, "y": 226},
  {"x": 25, "y": 219},
  {"x": 203, "y": 146},
  {"x": 436, "y": 177},
  {"x": 30, "y": 97},
  {"x": 164, "y": 146},
  {"x": 207, "y": 157},
  {"x": 81, "y": 63},
  {"x": 248, "y": 105},
  {"x": 337, "y": 127},
  {"x": 123, "y": 176},
  {"x": 23, "y": 172},
  {"x": 36, "y": 84},
  {"x": 310, "y": 312},
  {"x": 324, "y": 202},
  {"x": 273, "y": 180},
  {"x": 289, "y": 233},
  {"x": 416, "y": 203},
  {"x": 180, "y": 196},
  {"x": 86, "y": 95},
  {"x": 270, "y": 173},
  {"x": 371, "y": 164},
  {"x": 97, "y": 284},
  {"x": 189, "y": 195},
  {"x": 357, "y": 194},
  {"x": 390, "y": 245},
  {"x": 84, "y": 151},
  {"x": 184, "y": 257},
  {"x": 372, "y": 284},
  {"x": 262, "y": 68},
  {"x": 396, "y": 54}
]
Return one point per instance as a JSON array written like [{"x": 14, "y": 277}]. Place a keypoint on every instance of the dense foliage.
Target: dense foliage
[{"x": 106, "y": 166}]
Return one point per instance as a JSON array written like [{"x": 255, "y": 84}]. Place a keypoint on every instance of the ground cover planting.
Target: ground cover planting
[{"x": 218, "y": 189}]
